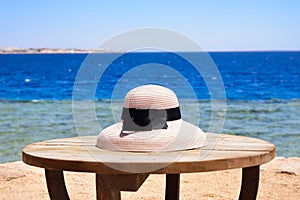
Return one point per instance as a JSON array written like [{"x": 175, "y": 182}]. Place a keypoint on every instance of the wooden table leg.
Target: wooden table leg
[
  {"x": 250, "y": 182},
  {"x": 172, "y": 186},
  {"x": 104, "y": 192},
  {"x": 56, "y": 185},
  {"x": 109, "y": 186}
]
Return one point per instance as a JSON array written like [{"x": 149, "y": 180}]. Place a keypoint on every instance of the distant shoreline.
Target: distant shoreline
[{"x": 18, "y": 50}]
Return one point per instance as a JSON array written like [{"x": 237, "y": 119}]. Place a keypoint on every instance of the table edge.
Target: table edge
[{"x": 101, "y": 168}]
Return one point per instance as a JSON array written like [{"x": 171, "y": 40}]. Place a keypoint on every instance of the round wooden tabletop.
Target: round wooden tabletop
[{"x": 80, "y": 154}]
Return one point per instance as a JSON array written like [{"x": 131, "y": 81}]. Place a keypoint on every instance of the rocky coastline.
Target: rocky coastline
[{"x": 19, "y": 50}]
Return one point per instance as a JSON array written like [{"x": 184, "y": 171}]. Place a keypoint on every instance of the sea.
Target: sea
[{"x": 259, "y": 93}]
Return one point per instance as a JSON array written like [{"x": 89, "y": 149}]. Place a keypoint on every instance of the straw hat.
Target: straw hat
[{"x": 151, "y": 121}]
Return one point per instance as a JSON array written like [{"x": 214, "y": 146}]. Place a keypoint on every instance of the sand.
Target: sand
[{"x": 279, "y": 179}]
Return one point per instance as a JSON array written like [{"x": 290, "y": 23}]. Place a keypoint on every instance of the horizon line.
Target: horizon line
[{"x": 50, "y": 50}]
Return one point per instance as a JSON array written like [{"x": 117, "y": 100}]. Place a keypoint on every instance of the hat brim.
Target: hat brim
[{"x": 180, "y": 135}]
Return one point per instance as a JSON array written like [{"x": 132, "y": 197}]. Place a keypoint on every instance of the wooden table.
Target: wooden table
[{"x": 126, "y": 171}]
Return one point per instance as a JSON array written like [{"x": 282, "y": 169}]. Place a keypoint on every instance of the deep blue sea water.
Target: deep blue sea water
[
  {"x": 262, "y": 92},
  {"x": 246, "y": 75}
]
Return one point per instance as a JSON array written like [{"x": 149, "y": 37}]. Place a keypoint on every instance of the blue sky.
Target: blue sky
[{"x": 214, "y": 24}]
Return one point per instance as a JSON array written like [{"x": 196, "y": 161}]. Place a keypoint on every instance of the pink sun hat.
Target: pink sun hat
[{"x": 151, "y": 121}]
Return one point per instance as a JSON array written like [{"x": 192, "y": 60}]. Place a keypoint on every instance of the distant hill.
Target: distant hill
[{"x": 18, "y": 50}]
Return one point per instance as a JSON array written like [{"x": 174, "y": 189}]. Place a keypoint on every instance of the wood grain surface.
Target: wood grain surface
[{"x": 80, "y": 154}]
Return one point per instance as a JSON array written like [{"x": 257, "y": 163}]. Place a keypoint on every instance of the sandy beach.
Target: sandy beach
[{"x": 279, "y": 179}]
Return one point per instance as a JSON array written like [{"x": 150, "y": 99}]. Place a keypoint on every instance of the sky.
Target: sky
[{"x": 214, "y": 24}]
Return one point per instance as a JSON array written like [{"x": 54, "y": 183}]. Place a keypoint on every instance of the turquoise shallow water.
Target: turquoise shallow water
[{"x": 24, "y": 122}]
